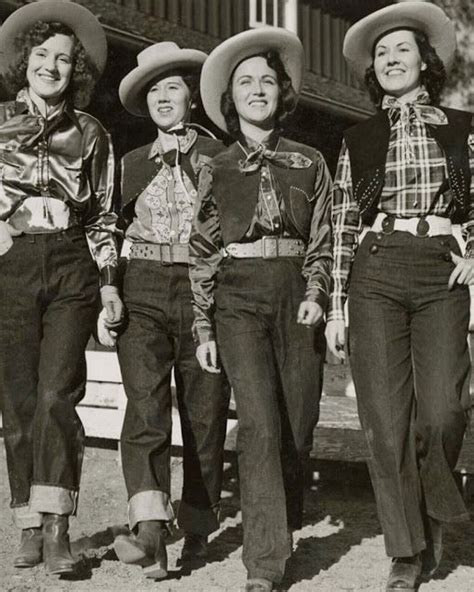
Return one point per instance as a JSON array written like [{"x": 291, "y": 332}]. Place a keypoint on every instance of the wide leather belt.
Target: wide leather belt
[
  {"x": 268, "y": 247},
  {"x": 419, "y": 226},
  {"x": 165, "y": 253}
]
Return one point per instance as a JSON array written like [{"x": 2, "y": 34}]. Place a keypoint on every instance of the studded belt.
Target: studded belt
[
  {"x": 165, "y": 253},
  {"x": 419, "y": 226},
  {"x": 268, "y": 247}
]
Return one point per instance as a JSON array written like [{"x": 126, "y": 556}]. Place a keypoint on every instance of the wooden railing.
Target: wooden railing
[{"x": 321, "y": 33}]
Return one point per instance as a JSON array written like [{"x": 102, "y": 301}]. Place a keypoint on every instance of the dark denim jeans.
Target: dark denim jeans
[
  {"x": 48, "y": 306},
  {"x": 411, "y": 368},
  {"x": 275, "y": 367},
  {"x": 156, "y": 340}
]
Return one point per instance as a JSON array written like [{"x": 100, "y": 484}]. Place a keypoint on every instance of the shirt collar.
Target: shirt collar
[
  {"x": 185, "y": 142},
  {"x": 270, "y": 142},
  {"x": 24, "y": 104}
]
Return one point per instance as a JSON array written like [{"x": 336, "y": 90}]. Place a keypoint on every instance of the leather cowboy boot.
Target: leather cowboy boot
[
  {"x": 404, "y": 574},
  {"x": 147, "y": 548},
  {"x": 30, "y": 552},
  {"x": 194, "y": 548},
  {"x": 56, "y": 550},
  {"x": 258, "y": 585}
]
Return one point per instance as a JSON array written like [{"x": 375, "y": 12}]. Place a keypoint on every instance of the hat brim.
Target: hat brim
[
  {"x": 428, "y": 18},
  {"x": 222, "y": 61},
  {"x": 79, "y": 19},
  {"x": 133, "y": 84}
]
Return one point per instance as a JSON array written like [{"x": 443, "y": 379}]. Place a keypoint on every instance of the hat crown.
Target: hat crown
[{"x": 158, "y": 50}]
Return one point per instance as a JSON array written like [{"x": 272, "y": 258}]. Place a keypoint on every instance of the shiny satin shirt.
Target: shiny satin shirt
[{"x": 57, "y": 173}]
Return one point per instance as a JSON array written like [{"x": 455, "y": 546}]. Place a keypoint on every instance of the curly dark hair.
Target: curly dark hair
[
  {"x": 84, "y": 74},
  {"x": 286, "y": 101},
  {"x": 433, "y": 78}
]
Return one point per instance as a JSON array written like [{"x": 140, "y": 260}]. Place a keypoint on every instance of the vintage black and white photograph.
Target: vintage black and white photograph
[{"x": 236, "y": 295}]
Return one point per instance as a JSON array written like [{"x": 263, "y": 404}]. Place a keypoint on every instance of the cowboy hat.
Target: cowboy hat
[
  {"x": 223, "y": 60},
  {"x": 79, "y": 19},
  {"x": 153, "y": 61},
  {"x": 424, "y": 16}
]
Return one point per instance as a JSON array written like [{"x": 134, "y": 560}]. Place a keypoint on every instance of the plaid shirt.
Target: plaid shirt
[{"x": 415, "y": 168}]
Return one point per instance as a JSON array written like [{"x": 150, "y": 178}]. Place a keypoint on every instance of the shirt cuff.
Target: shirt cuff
[
  {"x": 317, "y": 295},
  {"x": 203, "y": 333},
  {"x": 469, "y": 252},
  {"x": 109, "y": 276}
]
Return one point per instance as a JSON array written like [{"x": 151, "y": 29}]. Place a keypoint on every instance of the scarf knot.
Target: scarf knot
[{"x": 287, "y": 160}]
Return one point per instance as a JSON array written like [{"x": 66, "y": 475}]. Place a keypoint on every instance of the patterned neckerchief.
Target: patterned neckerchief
[
  {"x": 258, "y": 154},
  {"x": 419, "y": 109}
]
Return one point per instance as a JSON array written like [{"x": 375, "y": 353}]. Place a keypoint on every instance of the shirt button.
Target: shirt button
[
  {"x": 269, "y": 197},
  {"x": 170, "y": 204},
  {"x": 277, "y": 225},
  {"x": 374, "y": 249},
  {"x": 172, "y": 233},
  {"x": 447, "y": 257}
]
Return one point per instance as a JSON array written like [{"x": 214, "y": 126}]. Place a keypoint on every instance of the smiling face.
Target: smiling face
[
  {"x": 169, "y": 101},
  {"x": 255, "y": 92},
  {"x": 397, "y": 63},
  {"x": 50, "y": 67}
]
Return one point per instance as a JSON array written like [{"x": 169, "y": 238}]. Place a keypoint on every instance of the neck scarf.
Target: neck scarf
[
  {"x": 261, "y": 154},
  {"x": 419, "y": 109},
  {"x": 184, "y": 138}
]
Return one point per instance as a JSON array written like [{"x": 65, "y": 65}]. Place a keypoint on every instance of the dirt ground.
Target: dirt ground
[{"x": 340, "y": 547}]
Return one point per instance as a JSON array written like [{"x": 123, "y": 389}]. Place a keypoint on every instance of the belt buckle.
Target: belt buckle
[
  {"x": 422, "y": 228},
  {"x": 166, "y": 260},
  {"x": 269, "y": 247},
  {"x": 388, "y": 224}
]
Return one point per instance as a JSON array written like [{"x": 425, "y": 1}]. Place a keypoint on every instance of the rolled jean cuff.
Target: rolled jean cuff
[
  {"x": 202, "y": 521},
  {"x": 149, "y": 505},
  {"x": 24, "y": 517},
  {"x": 51, "y": 499}
]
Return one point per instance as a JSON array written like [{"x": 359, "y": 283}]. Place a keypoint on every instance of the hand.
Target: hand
[
  {"x": 206, "y": 354},
  {"x": 463, "y": 273},
  {"x": 336, "y": 338},
  {"x": 309, "y": 313},
  {"x": 106, "y": 334},
  {"x": 113, "y": 304},
  {"x": 6, "y": 233}
]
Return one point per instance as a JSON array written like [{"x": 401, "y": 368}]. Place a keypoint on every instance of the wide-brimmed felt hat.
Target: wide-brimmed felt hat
[
  {"x": 223, "y": 60},
  {"x": 424, "y": 16},
  {"x": 154, "y": 61},
  {"x": 79, "y": 19}
]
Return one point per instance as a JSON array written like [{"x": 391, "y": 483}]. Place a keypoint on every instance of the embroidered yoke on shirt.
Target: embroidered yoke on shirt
[
  {"x": 164, "y": 210},
  {"x": 414, "y": 172}
]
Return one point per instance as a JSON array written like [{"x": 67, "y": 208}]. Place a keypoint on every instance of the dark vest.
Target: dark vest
[
  {"x": 138, "y": 171},
  {"x": 367, "y": 143},
  {"x": 236, "y": 194}
]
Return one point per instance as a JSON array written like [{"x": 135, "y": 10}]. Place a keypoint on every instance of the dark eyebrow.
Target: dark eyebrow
[{"x": 382, "y": 46}]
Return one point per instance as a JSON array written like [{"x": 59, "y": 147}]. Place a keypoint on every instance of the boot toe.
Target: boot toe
[{"x": 129, "y": 550}]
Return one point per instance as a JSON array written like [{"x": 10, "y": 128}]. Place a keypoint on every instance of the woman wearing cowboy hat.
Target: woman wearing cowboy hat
[
  {"x": 158, "y": 201},
  {"x": 405, "y": 175},
  {"x": 56, "y": 239},
  {"x": 260, "y": 269}
]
